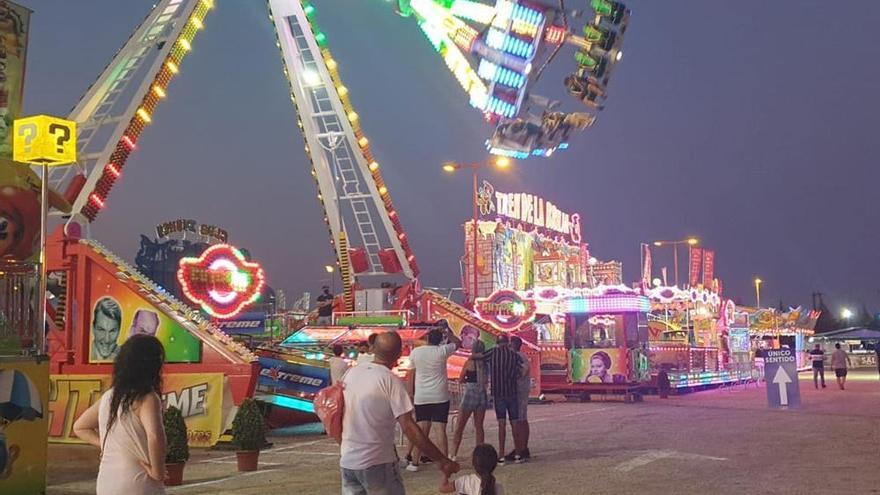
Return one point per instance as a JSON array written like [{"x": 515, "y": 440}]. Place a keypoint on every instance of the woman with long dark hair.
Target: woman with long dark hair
[
  {"x": 475, "y": 400},
  {"x": 126, "y": 423}
]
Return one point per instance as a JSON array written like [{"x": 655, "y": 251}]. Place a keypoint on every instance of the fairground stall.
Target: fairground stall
[
  {"x": 592, "y": 340},
  {"x": 770, "y": 328},
  {"x": 24, "y": 381},
  {"x": 689, "y": 338},
  {"x": 98, "y": 301}
]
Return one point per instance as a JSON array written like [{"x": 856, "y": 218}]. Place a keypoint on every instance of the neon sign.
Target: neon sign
[
  {"x": 506, "y": 310},
  {"x": 221, "y": 281},
  {"x": 534, "y": 210}
]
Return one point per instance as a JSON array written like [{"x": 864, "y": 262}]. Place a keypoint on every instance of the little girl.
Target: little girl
[{"x": 484, "y": 459}]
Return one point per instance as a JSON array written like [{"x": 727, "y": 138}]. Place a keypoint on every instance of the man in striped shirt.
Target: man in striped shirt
[{"x": 505, "y": 365}]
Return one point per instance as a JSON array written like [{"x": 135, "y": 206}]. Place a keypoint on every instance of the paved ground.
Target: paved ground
[{"x": 712, "y": 442}]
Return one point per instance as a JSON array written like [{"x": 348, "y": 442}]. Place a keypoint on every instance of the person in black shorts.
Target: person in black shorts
[{"x": 817, "y": 355}]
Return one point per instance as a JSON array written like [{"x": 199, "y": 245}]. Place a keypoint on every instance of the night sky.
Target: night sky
[{"x": 751, "y": 125}]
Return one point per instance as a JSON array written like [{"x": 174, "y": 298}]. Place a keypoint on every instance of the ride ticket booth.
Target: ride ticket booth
[{"x": 24, "y": 382}]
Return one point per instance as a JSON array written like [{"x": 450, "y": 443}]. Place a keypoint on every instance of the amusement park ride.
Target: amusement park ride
[{"x": 497, "y": 52}]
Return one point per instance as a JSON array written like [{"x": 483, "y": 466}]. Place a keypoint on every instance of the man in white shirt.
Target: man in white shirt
[
  {"x": 432, "y": 385},
  {"x": 374, "y": 400},
  {"x": 338, "y": 365}
]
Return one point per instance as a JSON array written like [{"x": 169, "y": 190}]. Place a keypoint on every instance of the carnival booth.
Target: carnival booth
[
  {"x": 591, "y": 339},
  {"x": 98, "y": 301},
  {"x": 24, "y": 381},
  {"x": 770, "y": 328},
  {"x": 690, "y": 339}
]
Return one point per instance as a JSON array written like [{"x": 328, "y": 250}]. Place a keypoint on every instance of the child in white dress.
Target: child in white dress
[{"x": 484, "y": 459}]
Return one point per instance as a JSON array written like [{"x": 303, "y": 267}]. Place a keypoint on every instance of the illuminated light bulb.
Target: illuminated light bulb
[
  {"x": 158, "y": 91},
  {"x": 113, "y": 170},
  {"x": 352, "y": 117},
  {"x": 208, "y": 3},
  {"x": 311, "y": 78},
  {"x": 184, "y": 43},
  {"x": 97, "y": 200},
  {"x": 172, "y": 67},
  {"x": 128, "y": 142},
  {"x": 331, "y": 64},
  {"x": 144, "y": 115},
  {"x": 363, "y": 142},
  {"x": 383, "y": 190},
  {"x": 342, "y": 90},
  {"x": 197, "y": 23},
  {"x": 374, "y": 166}
]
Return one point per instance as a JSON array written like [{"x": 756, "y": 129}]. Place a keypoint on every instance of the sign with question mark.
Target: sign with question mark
[{"x": 43, "y": 139}]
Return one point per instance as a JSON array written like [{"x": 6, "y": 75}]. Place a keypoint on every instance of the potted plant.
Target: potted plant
[
  {"x": 248, "y": 434},
  {"x": 177, "y": 446}
]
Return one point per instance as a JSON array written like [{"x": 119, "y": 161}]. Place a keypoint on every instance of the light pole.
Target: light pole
[
  {"x": 691, "y": 241},
  {"x": 330, "y": 269},
  {"x": 452, "y": 167},
  {"x": 758, "y": 283},
  {"x": 847, "y": 314},
  {"x": 592, "y": 262}
]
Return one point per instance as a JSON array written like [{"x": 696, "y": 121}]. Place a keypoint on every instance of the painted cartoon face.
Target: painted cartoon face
[
  {"x": 7, "y": 231},
  {"x": 469, "y": 335},
  {"x": 105, "y": 331}
]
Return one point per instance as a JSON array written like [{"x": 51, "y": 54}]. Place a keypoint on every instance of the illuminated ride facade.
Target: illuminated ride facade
[{"x": 498, "y": 50}]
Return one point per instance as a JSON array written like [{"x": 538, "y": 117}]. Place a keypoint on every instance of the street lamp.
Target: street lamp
[
  {"x": 330, "y": 269},
  {"x": 846, "y": 313},
  {"x": 452, "y": 167},
  {"x": 690, "y": 241},
  {"x": 758, "y": 283}
]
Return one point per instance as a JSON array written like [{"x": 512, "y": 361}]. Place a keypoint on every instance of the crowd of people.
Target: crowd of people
[{"x": 376, "y": 401}]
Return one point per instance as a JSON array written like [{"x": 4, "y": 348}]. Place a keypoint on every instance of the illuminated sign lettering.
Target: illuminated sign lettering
[
  {"x": 221, "y": 280},
  {"x": 506, "y": 310},
  {"x": 534, "y": 210},
  {"x": 177, "y": 226}
]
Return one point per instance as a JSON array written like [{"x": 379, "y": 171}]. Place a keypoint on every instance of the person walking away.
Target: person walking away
[
  {"x": 432, "y": 386},
  {"x": 376, "y": 399},
  {"x": 523, "y": 390},
  {"x": 126, "y": 422},
  {"x": 325, "y": 307},
  {"x": 475, "y": 400},
  {"x": 365, "y": 351},
  {"x": 817, "y": 355},
  {"x": 839, "y": 362},
  {"x": 338, "y": 365},
  {"x": 484, "y": 459},
  {"x": 505, "y": 366}
]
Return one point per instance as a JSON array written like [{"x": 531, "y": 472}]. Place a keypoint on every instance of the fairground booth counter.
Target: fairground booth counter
[
  {"x": 769, "y": 328},
  {"x": 24, "y": 381},
  {"x": 591, "y": 339},
  {"x": 690, "y": 338},
  {"x": 97, "y": 301}
]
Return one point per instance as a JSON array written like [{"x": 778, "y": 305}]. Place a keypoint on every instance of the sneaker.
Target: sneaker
[
  {"x": 518, "y": 459},
  {"x": 453, "y": 458},
  {"x": 501, "y": 461},
  {"x": 425, "y": 460},
  {"x": 510, "y": 456},
  {"x": 526, "y": 454},
  {"x": 413, "y": 468}
]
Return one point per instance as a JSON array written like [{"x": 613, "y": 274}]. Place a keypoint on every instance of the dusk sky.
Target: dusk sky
[{"x": 751, "y": 125}]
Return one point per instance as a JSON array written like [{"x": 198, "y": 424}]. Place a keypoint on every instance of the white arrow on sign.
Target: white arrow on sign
[{"x": 782, "y": 379}]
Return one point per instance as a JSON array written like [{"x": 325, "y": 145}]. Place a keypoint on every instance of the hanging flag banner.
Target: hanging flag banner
[
  {"x": 646, "y": 268},
  {"x": 696, "y": 264},
  {"x": 708, "y": 268}
]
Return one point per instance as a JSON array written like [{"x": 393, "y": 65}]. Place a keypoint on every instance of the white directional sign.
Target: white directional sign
[{"x": 780, "y": 373}]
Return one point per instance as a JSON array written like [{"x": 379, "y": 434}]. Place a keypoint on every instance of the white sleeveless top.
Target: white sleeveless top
[{"x": 124, "y": 448}]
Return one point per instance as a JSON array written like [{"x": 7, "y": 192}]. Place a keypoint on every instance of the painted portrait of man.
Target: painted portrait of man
[{"x": 106, "y": 323}]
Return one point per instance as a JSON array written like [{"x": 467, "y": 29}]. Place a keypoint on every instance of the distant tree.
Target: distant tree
[{"x": 826, "y": 321}]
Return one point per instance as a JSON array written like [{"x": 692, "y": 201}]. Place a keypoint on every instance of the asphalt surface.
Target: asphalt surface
[{"x": 711, "y": 442}]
